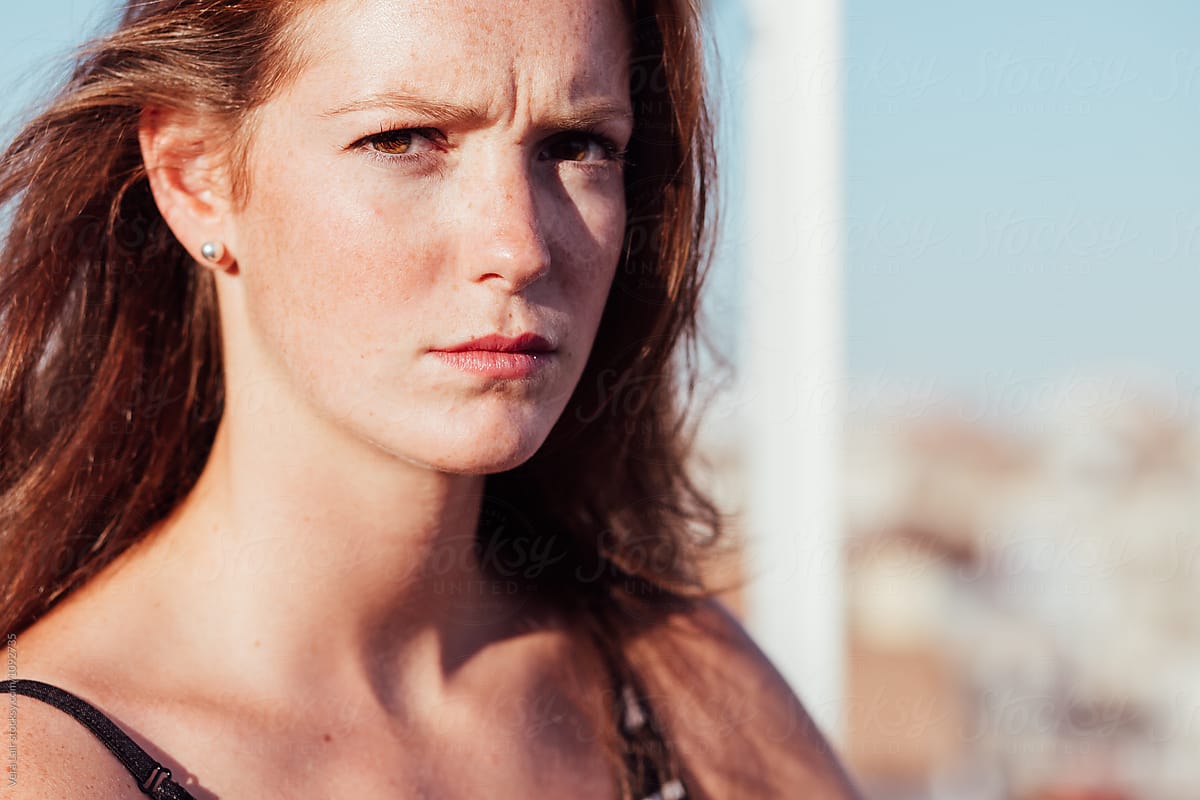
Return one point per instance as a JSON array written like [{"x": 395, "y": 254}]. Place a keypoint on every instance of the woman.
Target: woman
[{"x": 341, "y": 449}]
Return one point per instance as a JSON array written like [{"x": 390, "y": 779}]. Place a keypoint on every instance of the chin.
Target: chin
[
  {"x": 484, "y": 462},
  {"x": 480, "y": 451},
  {"x": 479, "y": 438}
]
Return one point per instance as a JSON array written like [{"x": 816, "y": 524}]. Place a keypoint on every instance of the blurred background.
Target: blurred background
[
  {"x": 994, "y": 475},
  {"x": 957, "y": 417}
]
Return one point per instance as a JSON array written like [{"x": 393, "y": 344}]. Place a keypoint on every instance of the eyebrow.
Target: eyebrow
[{"x": 586, "y": 116}]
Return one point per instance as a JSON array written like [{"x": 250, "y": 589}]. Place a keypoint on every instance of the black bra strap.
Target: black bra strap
[
  {"x": 647, "y": 752},
  {"x": 153, "y": 778}
]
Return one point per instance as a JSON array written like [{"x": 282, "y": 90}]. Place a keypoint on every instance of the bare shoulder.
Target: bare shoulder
[
  {"x": 736, "y": 724},
  {"x": 55, "y": 757}
]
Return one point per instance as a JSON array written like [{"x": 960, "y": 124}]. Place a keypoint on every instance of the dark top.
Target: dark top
[{"x": 645, "y": 748}]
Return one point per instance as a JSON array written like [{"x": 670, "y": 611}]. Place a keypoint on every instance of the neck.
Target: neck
[{"x": 320, "y": 564}]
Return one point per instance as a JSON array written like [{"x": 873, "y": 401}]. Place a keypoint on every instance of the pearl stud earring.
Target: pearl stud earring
[{"x": 213, "y": 251}]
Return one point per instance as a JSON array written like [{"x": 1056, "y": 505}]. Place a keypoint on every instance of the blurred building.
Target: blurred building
[
  {"x": 1020, "y": 597},
  {"x": 1021, "y": 603}
]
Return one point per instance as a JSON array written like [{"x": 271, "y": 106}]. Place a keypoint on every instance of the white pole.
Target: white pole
[{"x": 792, "y": 348}]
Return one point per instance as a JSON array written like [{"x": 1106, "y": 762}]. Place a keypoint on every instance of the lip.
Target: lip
[
  {"x": 496, "y": 363},
  {"x": 497, "y": 356},
  {"x": 522, "y": 343}
]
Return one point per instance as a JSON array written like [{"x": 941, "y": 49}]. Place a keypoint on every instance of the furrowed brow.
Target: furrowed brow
[
  {"x": 586, "y": 116},
  {"x": 590, "y": 116},
  {"x": 403, "y": 101}
]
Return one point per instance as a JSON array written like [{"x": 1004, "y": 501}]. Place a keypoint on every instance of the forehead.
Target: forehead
[{"x": 494, "y": 52}]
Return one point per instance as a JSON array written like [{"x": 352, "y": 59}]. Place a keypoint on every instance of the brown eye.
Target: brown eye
[
  {"x": 571, "y": 148},
  {"x": 586, "y": 149},
  {"x": 394, "y": 143},
  {"x": 402, "y": 143}
]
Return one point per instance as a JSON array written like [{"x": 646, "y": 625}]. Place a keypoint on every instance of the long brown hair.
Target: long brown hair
[{"x": 111, "y": 381}]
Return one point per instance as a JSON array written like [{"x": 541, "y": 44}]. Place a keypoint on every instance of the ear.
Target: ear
[{"x": 187, "y": 166}]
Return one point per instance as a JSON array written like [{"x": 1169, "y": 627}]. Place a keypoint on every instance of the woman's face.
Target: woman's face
[{"x": 439, "y": 172}]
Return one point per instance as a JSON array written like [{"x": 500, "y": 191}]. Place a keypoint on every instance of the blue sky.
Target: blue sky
[
  {"x": 34, "y": 35},
  {"x": 1022, "y": 182},
  {"x": 1023, "y": 189}
]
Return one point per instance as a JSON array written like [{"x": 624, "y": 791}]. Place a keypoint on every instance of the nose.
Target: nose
[{"x": 507, "y": 241}]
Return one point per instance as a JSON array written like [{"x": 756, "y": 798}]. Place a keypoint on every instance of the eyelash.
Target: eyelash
[{"x": 612, "y": 155}]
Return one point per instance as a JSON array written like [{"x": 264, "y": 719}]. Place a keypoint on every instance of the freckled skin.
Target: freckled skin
[
  {"x": 352, "y": 268},
  {"x": 331, "y": 629}
]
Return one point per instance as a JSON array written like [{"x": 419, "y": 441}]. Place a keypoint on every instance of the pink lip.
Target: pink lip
[
  {"x": 496, "y": 364},
  {"x": 524, "y": 343},
  {"x": 496, "y": 356}
]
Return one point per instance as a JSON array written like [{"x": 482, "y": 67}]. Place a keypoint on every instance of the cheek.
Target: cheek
[
  {"x": 594, "y": 245},
  {"x": 330, "y": 278},
  {"x": 338, "y": 277}
]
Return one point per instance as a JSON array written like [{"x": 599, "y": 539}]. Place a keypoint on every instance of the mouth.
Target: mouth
[
  {"x": 530, "y": 343},
  {"x": 497, "y": 356},
  {"x": 502, "y": 364}
]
